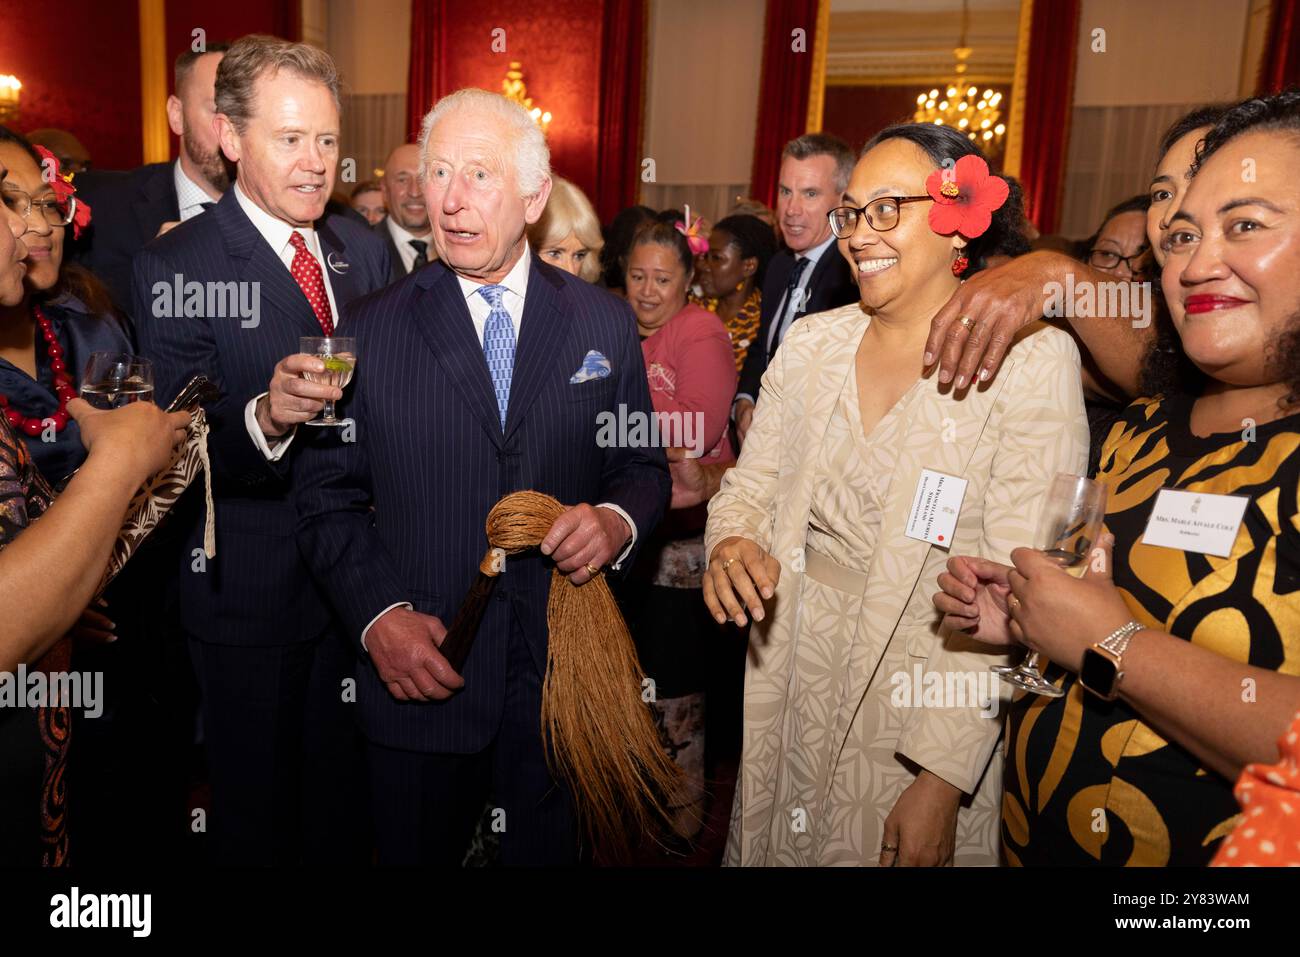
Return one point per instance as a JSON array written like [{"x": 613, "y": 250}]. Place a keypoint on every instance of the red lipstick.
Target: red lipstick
[{"x": 1209, "y": 303}]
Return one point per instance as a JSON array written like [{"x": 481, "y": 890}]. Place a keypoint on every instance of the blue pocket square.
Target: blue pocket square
[{"x": 594, "y": 366}]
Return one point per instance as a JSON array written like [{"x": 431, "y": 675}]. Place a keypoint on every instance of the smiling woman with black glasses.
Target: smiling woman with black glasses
[
  {"x": 63, "y": 316},
  {"x": 818, "y": 514}
]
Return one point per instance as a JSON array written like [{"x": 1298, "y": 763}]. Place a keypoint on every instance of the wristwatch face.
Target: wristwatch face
[{"x": 1098, "y": 673}]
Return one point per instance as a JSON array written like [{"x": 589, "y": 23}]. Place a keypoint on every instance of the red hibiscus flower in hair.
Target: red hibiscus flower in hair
[
  {"x": 964, "y": 200},
  {"x": 64, "y": 190}
]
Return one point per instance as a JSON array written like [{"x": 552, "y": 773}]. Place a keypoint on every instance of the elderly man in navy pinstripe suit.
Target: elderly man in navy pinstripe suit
[
  {"x": 478, "y": 375},
  {"x": 271, "y": 664}
]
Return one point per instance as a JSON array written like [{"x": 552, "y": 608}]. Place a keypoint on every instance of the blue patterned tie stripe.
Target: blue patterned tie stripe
[{"x": 499, "y": 346}]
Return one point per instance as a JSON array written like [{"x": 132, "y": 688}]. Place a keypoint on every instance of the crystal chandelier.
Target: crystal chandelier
[{"x": 962, "y": 105}]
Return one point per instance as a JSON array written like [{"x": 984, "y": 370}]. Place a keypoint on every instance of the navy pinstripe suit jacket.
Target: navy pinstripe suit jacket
[
  {"x": 257, "y": 591},
  {"x": 431, "y": 458}
]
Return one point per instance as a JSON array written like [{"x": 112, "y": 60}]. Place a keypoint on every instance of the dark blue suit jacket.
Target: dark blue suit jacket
[
  {"x": 257, "y": 591},
  {"x": 431, "y": 458},
  {"x": 127, "y": 209}
]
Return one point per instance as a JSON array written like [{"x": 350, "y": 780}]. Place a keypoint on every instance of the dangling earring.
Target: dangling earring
[
  {"x": 740, "y": 285},
  {"x": 959, "y": 264}
]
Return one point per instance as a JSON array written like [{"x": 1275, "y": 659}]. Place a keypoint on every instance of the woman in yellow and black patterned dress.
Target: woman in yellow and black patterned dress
[
  {"x": 730, "y": 275},
  {"x": 1210, "y": 675}
]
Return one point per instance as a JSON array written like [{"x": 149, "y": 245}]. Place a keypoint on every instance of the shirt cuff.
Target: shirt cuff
[
  {"x": 631, "y": 543},
  {"x": 746, "y": 397},
  {"x": 277, "y": 447},
  {"x": 366, "y": 630}
]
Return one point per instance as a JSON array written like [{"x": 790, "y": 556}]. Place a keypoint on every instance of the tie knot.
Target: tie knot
[
  {"x": 419, "y": 245},
  {"x": 296, "y": 240},
  {"x": 492, "y": 294}
]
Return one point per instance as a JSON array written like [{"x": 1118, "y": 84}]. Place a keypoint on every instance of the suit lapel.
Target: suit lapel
[
  {"x": 156, "y": 203},
  {"x": 342, "y": 273},
  {"x": 263, "y": 266},
  {"x": 543, "y": 329},
  {"x": 443, "y": 318}
]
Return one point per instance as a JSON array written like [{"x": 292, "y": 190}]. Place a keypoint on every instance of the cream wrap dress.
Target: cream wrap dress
[{"x": 836, "y": 719}]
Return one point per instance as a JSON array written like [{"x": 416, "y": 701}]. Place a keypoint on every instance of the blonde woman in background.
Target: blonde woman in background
[{"x": 568, "y": 234}]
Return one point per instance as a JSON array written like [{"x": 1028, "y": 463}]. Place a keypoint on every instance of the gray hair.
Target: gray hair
[
  {"x": 251, "y": 57},
  {"x": 532, "y": 159},
  {"x": 823, "y": 144}
]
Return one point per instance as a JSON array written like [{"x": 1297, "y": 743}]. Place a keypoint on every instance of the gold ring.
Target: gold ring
[
  {"x": 727, "y": 564},
  {"x": 887, "y": 847},
  {"x": 592, "y": 570},
  {"x": 1013, "y": 601},
  {"x": 966, "y": 321}
]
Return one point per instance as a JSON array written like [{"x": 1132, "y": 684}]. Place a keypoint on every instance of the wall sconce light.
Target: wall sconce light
[
  {"x": 514, "y": 89},
  {"x": 10, "y": 93}
]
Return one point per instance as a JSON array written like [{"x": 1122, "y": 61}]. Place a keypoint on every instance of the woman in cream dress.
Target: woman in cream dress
[{"x": 870, "y": 736}]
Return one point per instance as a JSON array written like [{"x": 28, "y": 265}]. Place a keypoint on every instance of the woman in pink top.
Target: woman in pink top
[{"x": 692, "y": 376}]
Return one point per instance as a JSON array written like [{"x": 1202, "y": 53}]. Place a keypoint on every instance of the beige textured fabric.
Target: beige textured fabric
[{"x": 823, "y": 737}]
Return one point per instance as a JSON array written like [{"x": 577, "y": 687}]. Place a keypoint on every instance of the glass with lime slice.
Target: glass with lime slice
[{"x": 339, "y": 355}]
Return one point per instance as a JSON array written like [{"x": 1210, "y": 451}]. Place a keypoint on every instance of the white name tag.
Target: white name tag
[
  {"x": 1195, "y": 521},
  {"x": 935, "y": 508}
]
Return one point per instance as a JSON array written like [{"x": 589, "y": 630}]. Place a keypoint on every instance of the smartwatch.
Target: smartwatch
[{"x": 1103, "y": 663}]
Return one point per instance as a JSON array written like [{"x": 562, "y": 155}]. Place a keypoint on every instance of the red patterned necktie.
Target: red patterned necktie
[{"x": 306, "y": 272}]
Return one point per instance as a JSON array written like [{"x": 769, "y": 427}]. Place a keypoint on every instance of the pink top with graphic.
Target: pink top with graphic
[{"x": 690, "y": 367}]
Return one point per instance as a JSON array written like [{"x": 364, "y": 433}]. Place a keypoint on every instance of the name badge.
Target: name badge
[
  {"x": 935, "y": 508},
  {"x": 337, "y": 263},
  {"x": 1195, "y": 521}
]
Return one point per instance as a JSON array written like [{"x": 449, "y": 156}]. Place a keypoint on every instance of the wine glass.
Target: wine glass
[
  {"x": 1068, "y": 526},
  {"x": 340, "y": 357},
  {"x": 115, "y": 379}
]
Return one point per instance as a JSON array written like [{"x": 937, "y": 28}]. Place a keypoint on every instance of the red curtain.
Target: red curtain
[
  {"x": 783, "y": 89},
  {"x": 1281, "y": 65},
  {"x": 426, "y": 74},
  {"x": 622, "y": 66},
  {"x": 1048, "y": 100}
]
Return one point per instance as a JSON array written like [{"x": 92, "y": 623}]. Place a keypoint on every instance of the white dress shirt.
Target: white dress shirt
[
  {"x": 516, "y": 285},
  {"x": 402, "y": 240},
  {"x": 276, "y": 233},
  {"x": 784, "y": 314},
  {"x": 190, "y": 197}
]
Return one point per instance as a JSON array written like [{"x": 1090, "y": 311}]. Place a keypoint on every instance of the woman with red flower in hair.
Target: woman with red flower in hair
[
  {"x": 66, "y": 315},
  {"x": 870, "y": 734}
]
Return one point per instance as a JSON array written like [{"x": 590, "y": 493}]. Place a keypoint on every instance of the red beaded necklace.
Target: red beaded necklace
[{"x": 63, "y": 386}]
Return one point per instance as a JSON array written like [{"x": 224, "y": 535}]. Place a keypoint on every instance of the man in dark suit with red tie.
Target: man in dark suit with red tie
[
  {"x": 481, "y": 374},
  {"x": 809, "y": 275},
  {"x": 228, "y": 294}
]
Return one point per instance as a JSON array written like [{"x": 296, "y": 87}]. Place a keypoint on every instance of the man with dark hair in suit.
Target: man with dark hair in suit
[
  {"x": 132, "y": 209},
  {"x": 271, "y": 667},
  {"x": 484, "y": 373},
  {"x": 406, "y": 227},
  {"x": 809, "y": 275}
]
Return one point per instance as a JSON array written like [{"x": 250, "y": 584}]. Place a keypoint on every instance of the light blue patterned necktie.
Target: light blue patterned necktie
[{"x": 499, "y": 346}]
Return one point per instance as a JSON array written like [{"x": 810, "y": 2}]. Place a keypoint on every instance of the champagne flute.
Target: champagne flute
[
  {"x": 115, "y": 379},
  {"x": 1073, "y": 511},
  {"x": 340, "y": 357}
]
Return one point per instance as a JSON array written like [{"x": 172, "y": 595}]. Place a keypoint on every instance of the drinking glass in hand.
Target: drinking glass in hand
[
  {"x": 115, "y": 379},
  {"x": 1068, "y": 527},
  {"x": 340, "y": 357}
]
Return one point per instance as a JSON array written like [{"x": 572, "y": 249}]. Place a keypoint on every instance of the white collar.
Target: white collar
[
  {"x": 275, "y": 231},
  {"x": 188, "y": 193},
  {"x": 401, "y": 235},
  {"x": 815, "y": 254},
  {"x": 516, "y": 280}
]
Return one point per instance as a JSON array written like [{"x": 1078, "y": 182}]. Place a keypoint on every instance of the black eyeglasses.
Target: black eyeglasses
[
  {"x": 52, "y": 211},
  {"x": 1106, "y": 259},
  {"x": 882, "y": 214}
]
